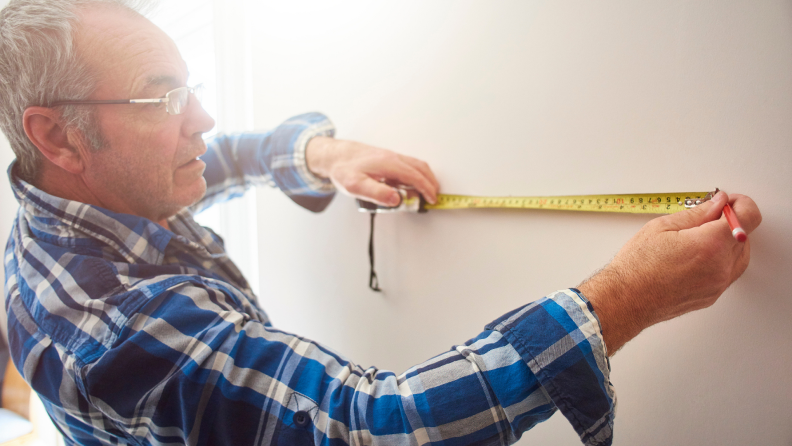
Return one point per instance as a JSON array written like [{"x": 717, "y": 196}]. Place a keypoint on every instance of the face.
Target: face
[{"x": 150, "y": 164}]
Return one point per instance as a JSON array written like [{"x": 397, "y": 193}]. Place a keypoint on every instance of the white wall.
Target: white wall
[
  {"x": 530, "y": 98},
  {"x": 535, "y": 98}
]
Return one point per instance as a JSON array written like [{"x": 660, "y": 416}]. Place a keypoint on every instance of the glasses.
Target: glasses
[{"x": 175, "y": 101}]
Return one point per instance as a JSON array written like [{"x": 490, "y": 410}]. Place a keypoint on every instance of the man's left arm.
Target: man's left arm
[{"x": 302, "y": 158}]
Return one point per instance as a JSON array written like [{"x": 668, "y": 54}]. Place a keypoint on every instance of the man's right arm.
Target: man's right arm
[
  {"x": 205, "y": 370},
  {"x": 195, "y": 368},
  {"x": 674, "y": 265}
]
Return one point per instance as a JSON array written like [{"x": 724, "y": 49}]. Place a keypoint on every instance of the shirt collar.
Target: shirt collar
[{"x": 137, "y": 239}]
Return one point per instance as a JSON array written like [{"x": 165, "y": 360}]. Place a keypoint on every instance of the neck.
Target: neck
[
  {"x": 60, "y": 183},
  {"x": 63, "y": 184}
]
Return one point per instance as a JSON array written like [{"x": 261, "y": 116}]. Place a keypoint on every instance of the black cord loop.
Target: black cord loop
[{"x": 373, "y": 282}]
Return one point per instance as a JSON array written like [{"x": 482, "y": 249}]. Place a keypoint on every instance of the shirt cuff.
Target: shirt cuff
[
  {"x": 560, "y": 338},
  {"x": 315, "y": 183}
]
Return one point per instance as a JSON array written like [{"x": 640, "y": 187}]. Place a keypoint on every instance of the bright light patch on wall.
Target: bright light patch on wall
[
  {"x": 190, "y": 24},
  {"x": 195, "y": 28}
]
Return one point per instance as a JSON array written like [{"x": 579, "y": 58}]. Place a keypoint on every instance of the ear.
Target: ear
[{"x": 44, "y": 129}]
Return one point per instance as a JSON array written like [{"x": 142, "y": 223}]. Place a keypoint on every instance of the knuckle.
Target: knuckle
[
  {"x": 723, "y": 278},
  {"x": 754, "y": 215},
  {"x": 351, "y": 185},
  {"x": 710, "y": 300},
  {"x": 747, "y": 209},
  {"x": 740, "y": 267},
  {"x": 656, "y": 225}
]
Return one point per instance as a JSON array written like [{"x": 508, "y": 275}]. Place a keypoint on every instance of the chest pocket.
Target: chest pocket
[{"x": 297, "y": 428}]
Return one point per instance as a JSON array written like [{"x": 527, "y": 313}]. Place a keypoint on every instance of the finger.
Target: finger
[
  {"x": 691, "y": 218},
  {"x": 408, "y": 175},
  {"x": 747, "y": 212},
  {"x": 369, "y": 189},
  {"x": 426, "y": 183},
  {"x": 742, "y": 256},
  {"x": 424, "y": 168}
]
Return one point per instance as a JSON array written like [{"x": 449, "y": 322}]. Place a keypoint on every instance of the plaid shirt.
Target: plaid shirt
[{"x": 134, "y": 334}]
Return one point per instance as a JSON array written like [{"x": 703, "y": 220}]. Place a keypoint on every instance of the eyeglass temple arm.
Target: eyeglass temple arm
[
  {"x": 112, "y": 101},
  {"x": 141, "y": 101}
]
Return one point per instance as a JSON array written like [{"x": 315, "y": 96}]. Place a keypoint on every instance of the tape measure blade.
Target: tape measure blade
[{"x": 658, "y": 203}]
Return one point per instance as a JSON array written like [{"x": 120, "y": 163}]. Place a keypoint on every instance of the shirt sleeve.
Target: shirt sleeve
[
  {"x": 236, "y": 162},
  {"x": 192, "y": 370}
]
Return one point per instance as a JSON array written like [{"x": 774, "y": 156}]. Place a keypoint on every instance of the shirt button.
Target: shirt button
[{"x": 301, "y": 418}]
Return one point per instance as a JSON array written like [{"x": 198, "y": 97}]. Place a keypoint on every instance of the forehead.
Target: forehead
[{"x": 127, "y": 53}]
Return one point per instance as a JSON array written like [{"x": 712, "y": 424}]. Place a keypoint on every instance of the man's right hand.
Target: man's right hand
[{"x": 675, "y": 264}]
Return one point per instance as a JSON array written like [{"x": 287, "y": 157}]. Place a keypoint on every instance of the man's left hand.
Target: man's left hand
[{"x": 361, "y": 170}]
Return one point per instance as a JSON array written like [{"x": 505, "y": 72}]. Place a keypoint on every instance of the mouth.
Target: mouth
[
  {"x": 192, "y": 163},
  {"x": 198, "y": 150}
]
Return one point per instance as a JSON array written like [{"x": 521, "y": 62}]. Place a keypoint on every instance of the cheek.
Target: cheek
[
  {"x": 155, "y": 155},
  {"x": 136, "y": 167},
  {"x": 143, "y": 156}
]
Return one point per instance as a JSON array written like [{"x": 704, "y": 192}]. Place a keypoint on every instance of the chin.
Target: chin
[
  {"x": 184, "y": 197},
  {"x": 196, "y": 193}
]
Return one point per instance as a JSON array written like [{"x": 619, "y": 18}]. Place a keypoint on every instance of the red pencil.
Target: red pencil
[{"x": 737, "y": 231}]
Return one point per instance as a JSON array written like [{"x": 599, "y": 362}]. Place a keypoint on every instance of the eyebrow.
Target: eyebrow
[{"x": 157, "y": 81}]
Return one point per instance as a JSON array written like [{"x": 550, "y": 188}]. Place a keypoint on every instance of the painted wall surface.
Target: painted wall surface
[{"x": 542, "y": 98}]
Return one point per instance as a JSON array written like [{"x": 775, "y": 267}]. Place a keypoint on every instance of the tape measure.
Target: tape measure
[
  {"x": 412, "y": 201},
  {"x": 657, "y": 203}
]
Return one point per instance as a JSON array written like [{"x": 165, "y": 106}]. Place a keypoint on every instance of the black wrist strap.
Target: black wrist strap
[{"x": 373, "y": 282}]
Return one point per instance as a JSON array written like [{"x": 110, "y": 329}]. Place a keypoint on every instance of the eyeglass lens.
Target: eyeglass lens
[{"x": 179, "y": 98}]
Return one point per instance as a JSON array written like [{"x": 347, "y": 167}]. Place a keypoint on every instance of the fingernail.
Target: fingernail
[
  {"x": 712, "y": 199},
  {"x": 394, "y": 200}
]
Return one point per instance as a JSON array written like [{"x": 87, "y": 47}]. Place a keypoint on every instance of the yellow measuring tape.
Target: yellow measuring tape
[
  {"x": 657, "y": 203},
  {"x": 632, "y": 203},
  {"x": 411, "y": 201}
]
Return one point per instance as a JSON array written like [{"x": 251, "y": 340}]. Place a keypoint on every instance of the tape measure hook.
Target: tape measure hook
[{"x": 690, "y": 203}]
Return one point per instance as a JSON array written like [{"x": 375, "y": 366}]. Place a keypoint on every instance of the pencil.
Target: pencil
[{"x": 737, "y": 231}]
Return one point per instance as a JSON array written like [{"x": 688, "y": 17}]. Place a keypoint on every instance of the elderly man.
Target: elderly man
[{"x": 134, "y": 327}]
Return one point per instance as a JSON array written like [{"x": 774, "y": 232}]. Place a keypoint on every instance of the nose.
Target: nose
[{"x": 196, "y": 119}]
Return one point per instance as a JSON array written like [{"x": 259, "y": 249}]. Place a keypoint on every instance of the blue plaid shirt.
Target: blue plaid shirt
[{"x": 135, "y": 334}]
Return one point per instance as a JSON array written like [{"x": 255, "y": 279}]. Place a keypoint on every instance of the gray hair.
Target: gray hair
[{"x": 40, "y": 65}]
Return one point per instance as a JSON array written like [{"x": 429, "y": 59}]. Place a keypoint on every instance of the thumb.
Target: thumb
[{"x": 703, "y": 213}]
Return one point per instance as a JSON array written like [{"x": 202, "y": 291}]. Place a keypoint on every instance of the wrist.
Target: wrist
[
  {"x": 621, "y": 310},
  {"x": 318, "y": 155}
]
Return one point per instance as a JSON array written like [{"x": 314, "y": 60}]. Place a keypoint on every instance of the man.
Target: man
[{"x": 134, "y": 327}]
